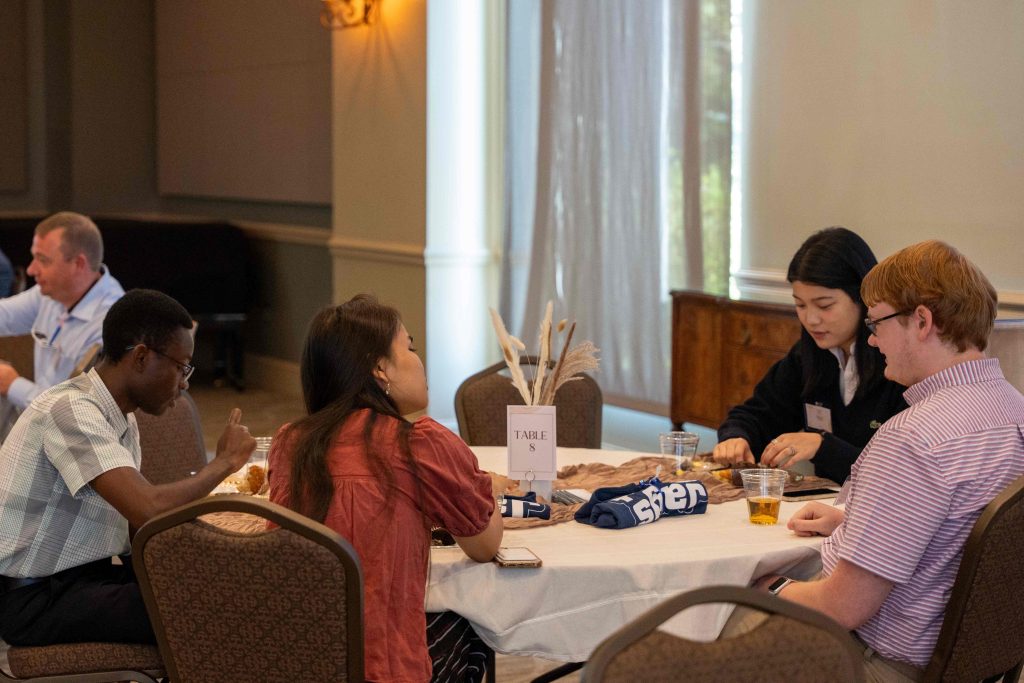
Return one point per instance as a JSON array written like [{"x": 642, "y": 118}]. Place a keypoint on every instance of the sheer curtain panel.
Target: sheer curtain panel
[{"x": 604, "y": 178}]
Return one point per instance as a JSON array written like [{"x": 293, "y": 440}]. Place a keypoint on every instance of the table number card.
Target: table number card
[{"x": 531, "y": 443}]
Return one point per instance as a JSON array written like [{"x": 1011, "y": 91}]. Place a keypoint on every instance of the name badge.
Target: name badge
[{"x": 818, "y": 417}]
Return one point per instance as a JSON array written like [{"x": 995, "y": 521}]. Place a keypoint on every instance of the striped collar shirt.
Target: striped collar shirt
[
  {"x": 50, "y": 517},
  {"x": 916, "y": 492}
]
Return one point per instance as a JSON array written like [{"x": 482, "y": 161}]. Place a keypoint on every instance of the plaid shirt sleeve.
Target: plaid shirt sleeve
[{"x": 81, "y": 444}]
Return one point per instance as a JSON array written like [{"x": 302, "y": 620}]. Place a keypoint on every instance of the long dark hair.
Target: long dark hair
[
  {"x": 342, "y": 349},
  {"x": 836, "y": 258}
]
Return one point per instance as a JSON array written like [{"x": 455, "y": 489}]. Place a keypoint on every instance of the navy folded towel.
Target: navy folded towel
[
  {"x": 525, "y": 506},
  {"x": 622, "y": 507}
]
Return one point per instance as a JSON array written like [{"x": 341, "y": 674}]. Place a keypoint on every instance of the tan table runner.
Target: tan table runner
[{"x": 590, "y": 476}]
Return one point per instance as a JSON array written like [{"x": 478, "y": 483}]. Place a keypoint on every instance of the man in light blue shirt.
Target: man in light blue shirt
[{"x": 63, "y": 312}]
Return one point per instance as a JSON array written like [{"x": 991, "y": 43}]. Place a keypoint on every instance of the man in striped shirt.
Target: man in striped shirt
[{"x": 913, "y": 496}]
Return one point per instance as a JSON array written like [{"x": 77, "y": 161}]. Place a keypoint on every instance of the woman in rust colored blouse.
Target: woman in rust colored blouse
[{"x": 358, "y": 466}]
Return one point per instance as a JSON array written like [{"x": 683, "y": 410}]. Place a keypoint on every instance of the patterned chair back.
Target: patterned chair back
[
  {"x": 20, "y": 352},
  {"x": 84, "y": 663},
  {"x": 982, "y": 633},
  {"x": 794, "y": 644},
  {"x": 172, "y": 443},
  {"x": 284, "y": 604},
  {"x": 481, "y": 400}
]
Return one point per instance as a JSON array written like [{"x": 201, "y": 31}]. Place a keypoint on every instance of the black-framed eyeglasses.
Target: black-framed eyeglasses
[
  {"x": 186, "y": 368},
  {"x": 872, "y": 325}
]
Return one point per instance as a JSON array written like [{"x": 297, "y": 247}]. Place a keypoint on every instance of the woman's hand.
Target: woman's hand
[
  {"x": 815, "y": 519},
  {"x": 791, "y": 448},
  {"x": 733, "y": 452}
]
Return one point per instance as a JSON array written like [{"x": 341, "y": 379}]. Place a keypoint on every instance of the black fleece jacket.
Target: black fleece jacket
[{"x": 777, "y": 407}]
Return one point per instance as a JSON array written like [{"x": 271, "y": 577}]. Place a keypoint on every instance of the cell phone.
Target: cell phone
[
  {"x": 811, "y": 494},
  {"x": 516, "y": 557}
]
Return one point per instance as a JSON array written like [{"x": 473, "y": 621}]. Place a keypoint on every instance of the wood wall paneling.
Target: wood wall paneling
[
  {"x": 243, "y": 100},
  {"x": 696, "y": 358},
  {"x": 14, "y": 99},
  {"x": 721, "y": 348}
]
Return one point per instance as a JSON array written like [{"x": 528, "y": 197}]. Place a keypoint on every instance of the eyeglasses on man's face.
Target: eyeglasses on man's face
[
  {"x": 872, "y": 325},
  {"x": 186, "y": 369}
]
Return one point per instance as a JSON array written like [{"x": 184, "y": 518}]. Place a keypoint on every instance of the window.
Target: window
[{"x": 618, "y": 174}]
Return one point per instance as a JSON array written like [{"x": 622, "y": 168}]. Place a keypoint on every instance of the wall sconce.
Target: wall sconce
[{"x": 348, "y": 13}]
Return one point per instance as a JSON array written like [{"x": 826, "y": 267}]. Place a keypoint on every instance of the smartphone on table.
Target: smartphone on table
[
  {"x": 811, "y": 494},
  {"x": 516, "y": 557}
]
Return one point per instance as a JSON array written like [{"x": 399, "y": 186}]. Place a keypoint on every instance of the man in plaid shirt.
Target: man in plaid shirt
[{"x": 70, "y": 487}]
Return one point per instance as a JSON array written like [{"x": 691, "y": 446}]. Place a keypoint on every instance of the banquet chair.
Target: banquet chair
[
  {"x": 1007, "y": 344},
  {"x": 794, "y": 644},
  {"x": 88, "y": 360},
  {"x": 172, "y": 443},
  {"x": 481, "y": 399},
  {"x": 982, "y": 634},
  {"x": 284, "y": 604},
  {"x": 83, "y": 663},
  {"x": 19, "y": 350}
]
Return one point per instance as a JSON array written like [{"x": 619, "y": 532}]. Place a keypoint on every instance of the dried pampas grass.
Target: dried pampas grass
[
  {"x": 545, "y": 353},
  {"x": 510, "y": 346},
  {"x": 572, "y": 361},
  {"x": 578, "y": 359}
]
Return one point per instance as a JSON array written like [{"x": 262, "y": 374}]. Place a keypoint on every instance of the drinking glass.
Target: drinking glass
[
  {"x": 764, "y": 494},
  {"x": 680, "y": 445},
  {"x": 258, "y": 458},
  {"x": 259, "y": 454}
]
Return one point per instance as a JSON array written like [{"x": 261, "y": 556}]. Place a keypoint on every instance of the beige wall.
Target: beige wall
[
  {"x": 902, "y": 120},
  {"x": 291, "y": 289},
  {"x": 111, "y": 101},
  {"x": 14, "y": 103},
  {"x": 380, "y": 147},
  {"x": 243, "y": 100},
  {"x": 92, "y": 147}
]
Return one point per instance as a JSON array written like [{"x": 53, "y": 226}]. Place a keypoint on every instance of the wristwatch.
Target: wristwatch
[{"x": 776, "y": 586}]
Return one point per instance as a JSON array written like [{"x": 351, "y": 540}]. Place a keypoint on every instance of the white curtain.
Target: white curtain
[{"x": 597, "y": 173}]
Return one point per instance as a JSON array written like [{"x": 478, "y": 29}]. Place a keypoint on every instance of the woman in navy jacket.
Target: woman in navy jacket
[{"x": 825, "y": 399}]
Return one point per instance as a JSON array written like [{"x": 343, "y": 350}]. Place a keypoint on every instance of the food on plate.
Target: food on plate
[
  {"x": 250, "y": 480},
  {"x": 726, "y": 475},
  {"x": 255, "y": 478},
  {"x": 732, "y": 476}
]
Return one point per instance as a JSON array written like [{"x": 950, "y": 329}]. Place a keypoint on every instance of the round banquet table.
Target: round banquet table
[{"x": 595, "y": 580}]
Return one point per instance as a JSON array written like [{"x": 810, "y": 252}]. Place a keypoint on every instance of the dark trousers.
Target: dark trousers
[
  {"x": 456, "y": 651},
  {"x": 97, "y": 602}
]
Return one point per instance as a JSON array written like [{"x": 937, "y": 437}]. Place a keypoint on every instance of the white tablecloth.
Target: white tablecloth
[{"x": 595, "y": 580}]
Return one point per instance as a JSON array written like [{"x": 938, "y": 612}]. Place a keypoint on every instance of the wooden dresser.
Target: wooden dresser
[{"x": 721, "y": 348}]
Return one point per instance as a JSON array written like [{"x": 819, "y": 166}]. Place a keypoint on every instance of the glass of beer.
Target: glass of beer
[
  {"x": 764, "y": 494},
  {"x": 680, "y": 445}
]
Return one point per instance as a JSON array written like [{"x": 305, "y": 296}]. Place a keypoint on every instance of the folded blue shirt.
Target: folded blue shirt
[
  {"x": 525, "y": 506},
  {"x": 622, "y": 507}
]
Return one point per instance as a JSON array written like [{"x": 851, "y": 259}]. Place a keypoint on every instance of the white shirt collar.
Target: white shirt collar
[{"x": 848, "y": 377}]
